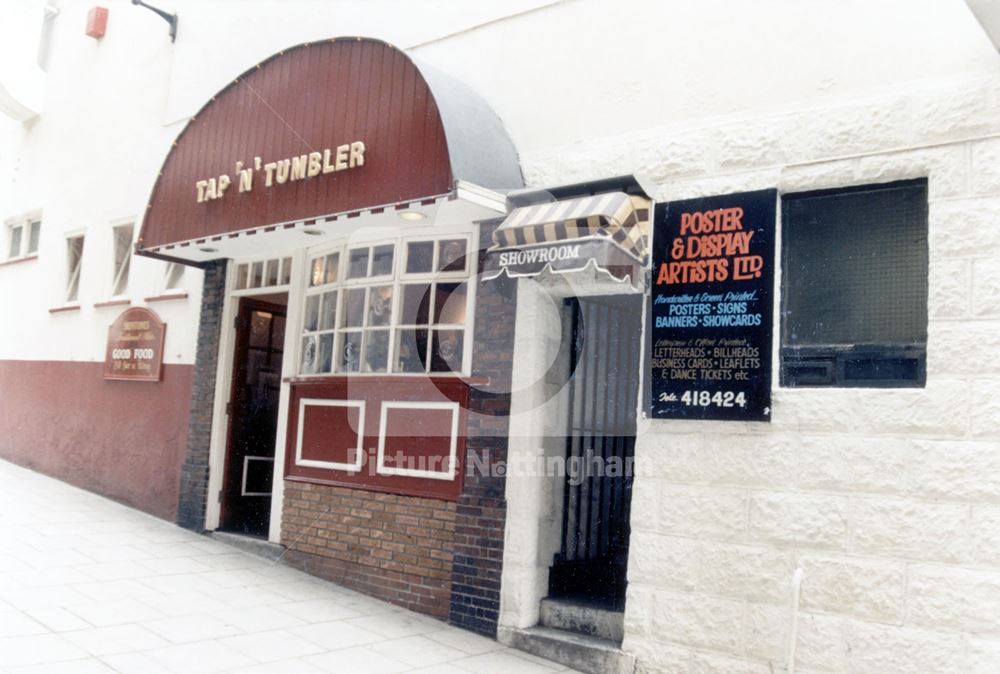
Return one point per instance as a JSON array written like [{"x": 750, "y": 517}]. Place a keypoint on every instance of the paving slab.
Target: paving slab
[{"x": 91, "y": 586}]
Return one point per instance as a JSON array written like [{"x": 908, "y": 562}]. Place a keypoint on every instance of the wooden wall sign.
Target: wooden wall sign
[
  {"x": 135, "y": 346},
  {"x": 710, "y": 324}
]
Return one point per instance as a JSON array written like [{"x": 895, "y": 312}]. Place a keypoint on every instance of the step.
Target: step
[
  {"x": 578, "y": 651},
  {"x": 576, "y": 616},
  {"x": 251, "y": 544}
]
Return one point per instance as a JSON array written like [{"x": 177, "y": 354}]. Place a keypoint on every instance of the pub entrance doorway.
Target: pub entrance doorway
[
  {"x": 245, "y": 499},
  {"x": 603, "y": 396}
]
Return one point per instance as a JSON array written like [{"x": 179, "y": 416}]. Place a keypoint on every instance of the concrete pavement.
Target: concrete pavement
[{"x": 88, "y": 585}]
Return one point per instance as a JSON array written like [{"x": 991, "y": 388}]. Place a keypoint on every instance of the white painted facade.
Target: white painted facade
[{"x": 888, "y": 500}]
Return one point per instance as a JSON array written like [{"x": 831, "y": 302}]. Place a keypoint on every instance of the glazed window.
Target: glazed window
[
  {"x": 272, "y": 273},
  {"x": 395, "y": 308},
  {"x": 22, "y": 238},
  {"x": 122, "y": 258},
  {"x": 74, "y": 260},
  {"x": 854, "y": 295},
  {"x": 173, "y": 275}
]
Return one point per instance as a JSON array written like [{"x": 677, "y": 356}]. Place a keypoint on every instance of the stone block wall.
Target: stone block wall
[{"x": 888, "y": 500}]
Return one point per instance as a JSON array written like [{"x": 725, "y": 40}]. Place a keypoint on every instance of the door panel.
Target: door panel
[
  {"x": 253, "y": 418},
  {"x": 600, "y": 447}
]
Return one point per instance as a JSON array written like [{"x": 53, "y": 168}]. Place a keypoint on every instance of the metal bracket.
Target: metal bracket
[{"x": 169, "y": 18}]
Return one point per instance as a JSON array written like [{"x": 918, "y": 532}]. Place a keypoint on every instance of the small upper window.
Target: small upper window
[
  {"x": 74, "y": 259},
  {"x": 123, "y": 258},
  {"x": 34, "y": 233},
  {"x": 173, "y": 275},
  {"x": 854, "y": 286},
  {"x": 271, "y": 273},
  {"x": 22, "y": 238}
]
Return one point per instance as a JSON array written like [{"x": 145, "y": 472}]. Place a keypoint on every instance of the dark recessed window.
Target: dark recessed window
[{"x": 854, "y": 286}]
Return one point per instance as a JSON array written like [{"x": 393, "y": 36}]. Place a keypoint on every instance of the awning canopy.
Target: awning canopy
[
  {"x": 609, "y": 232},
  {"x": 320, "y": 139}
]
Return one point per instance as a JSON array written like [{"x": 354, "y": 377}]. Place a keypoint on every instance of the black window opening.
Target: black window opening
[{"x": 854, "y": 287}]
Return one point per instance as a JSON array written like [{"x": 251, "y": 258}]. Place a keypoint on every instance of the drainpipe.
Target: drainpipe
[{"x": 793, "y": 636}]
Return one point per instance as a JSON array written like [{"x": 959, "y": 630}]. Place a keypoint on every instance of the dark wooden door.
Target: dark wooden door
[
  {"x": 604, "y": 389},
  {"x": 253, "y": 418}
]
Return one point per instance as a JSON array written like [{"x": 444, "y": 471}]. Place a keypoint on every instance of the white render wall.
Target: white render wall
[{"x": 88, "y": 162}]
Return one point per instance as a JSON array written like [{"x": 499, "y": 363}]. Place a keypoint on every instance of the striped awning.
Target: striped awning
[{"x": 609, "y": 231}]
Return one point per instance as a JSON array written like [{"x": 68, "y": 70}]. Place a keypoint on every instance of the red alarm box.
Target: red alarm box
[{"x": 97, "y": 22}]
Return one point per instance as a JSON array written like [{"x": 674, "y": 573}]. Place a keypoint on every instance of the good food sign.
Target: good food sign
[
  {"x": 135, "y": 346},
  {"x": 713, "y": 270}
]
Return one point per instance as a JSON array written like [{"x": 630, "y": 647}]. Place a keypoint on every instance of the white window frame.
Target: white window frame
[
  {"x": 397, "y": 279},
  {"x": 285, "y": 269},
  {"x": 246, "y": 469},
  {"x": 359, "y": 453},
  {"x": 118, "y": 271},
  {"x": 73, "y": 275},
  {"x": 383, "y": 469},
  {"x": 25, "y": 223},
  {"x": 175, "y": 287}
]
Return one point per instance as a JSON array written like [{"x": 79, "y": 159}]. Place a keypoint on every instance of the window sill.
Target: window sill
[
  {"x": 18, "y": 260},
  {"x": 113, "y": 303},
  {"x": 65, "y": 308},
  {"x": 166, "y": 297},
  {"x": 320, "y": 379}
]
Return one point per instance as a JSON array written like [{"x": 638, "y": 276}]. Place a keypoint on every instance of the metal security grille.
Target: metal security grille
[
  {"x": 600, "y": 448},
  {"x": 855, "y": 286}
]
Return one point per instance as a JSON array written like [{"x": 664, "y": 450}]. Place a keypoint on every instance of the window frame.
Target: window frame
[
  {"x": 121, "y": 271},
  {"x": 26, "y": 223},
  {"x": 74, "y": 273},
  {"x": 827, "y": 365},
  {"x": 285, "y": 264},
  {"x": 171, "y": 284},
  {"x": 384, "y": 409},
  {"x": 397, "y": 280}
]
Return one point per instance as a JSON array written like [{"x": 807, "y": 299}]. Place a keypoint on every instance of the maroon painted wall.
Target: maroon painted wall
[{"x": 121, "y": 439}]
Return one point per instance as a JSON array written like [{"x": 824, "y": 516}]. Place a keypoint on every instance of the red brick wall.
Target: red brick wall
[
  {"x": 482, "y": 507},
  {"x": 396, "y": 548}
]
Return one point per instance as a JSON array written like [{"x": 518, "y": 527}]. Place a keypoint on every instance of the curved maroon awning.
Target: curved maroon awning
[{"x": 320, "y": 129}]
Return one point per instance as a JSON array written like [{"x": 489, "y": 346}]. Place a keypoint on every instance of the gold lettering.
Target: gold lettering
[
  {"x": 246, "y": 180},
  {"x": 299, "y": 165},
  {"x": 357, "y": 154},
  {"x": 281, "y": 174},
  {"x": 315, "y": 164},
  {"x": 329, "y": 160},
  {"x": 342, "y": 151}
]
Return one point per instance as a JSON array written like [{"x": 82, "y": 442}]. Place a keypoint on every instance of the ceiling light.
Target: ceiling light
[
  {"x": 313, "y": 232},
  {"x": 412, "y": 216},
  {"x": 207, "y": 249}
]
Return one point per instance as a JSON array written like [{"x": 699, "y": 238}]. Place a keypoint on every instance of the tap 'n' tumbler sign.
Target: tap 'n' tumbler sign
[
  {"x": 135, "y": 346},
  {"x": 711, "y": 320}
]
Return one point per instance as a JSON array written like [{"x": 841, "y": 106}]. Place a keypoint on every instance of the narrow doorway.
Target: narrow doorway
[
  {"x": 603, "y": 397},
  {"x": 245, "y": 501}
]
